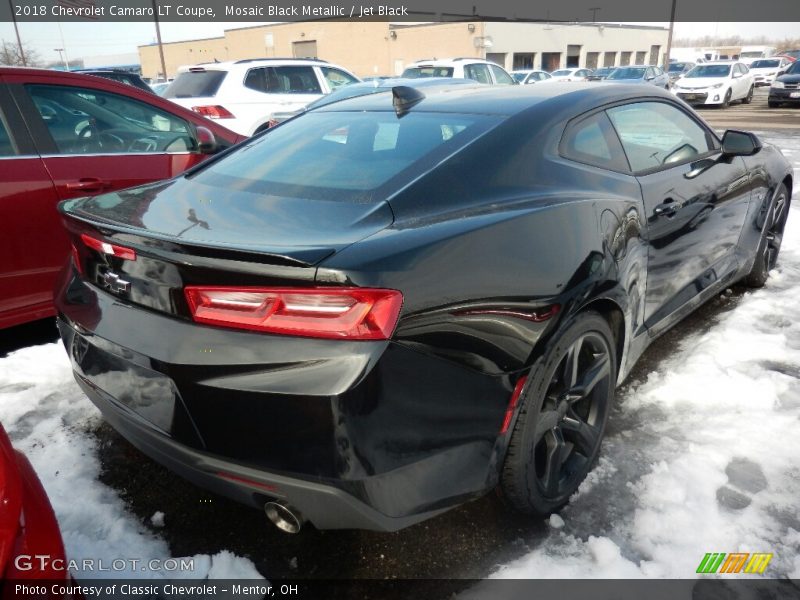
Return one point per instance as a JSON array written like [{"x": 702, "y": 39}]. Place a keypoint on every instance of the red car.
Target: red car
[
  {"x": 64, "y": 135},
  {"x": 30, "y": 542}
]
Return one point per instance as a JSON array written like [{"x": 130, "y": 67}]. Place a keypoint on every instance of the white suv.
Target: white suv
[
  {"x": 482, "y": 71},
  {"x": 244, "y": 94}
]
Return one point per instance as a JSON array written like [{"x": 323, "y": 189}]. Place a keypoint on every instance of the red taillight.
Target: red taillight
[
  {"x": 106, "y": 248},
  {"x": 213, "y": 112},
  {"x": 338, "y": 313},
  {"x": 512, "y": 405}
]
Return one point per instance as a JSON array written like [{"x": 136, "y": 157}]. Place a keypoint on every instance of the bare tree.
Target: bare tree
[{"x": 10, "y": 56}]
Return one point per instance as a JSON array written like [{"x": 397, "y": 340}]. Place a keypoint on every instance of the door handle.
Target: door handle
[
  {"x": 667, "y": 208},
  {"x": 88, "y": 184}
]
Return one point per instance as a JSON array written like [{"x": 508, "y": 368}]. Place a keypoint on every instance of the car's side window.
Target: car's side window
[
  {"x": 89, "y": 121},
  {"x": 479, "y": 72},
  {"x": 283, "y": 80},
  {"x": 592, "y": 141},
  {"x": 337, "y": 78},
  {"x": 6, "y": 145},
  {"x": 501, "y": 76},
  {"x": 655, "y": 134}
]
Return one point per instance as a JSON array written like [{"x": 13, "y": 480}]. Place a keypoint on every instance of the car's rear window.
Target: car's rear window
[
  {"x": 328, "y": 154},
  {"x": 195, "y": 84},
  {"x": 765, "y": 64},
  {"x": 417, "y": 72}
]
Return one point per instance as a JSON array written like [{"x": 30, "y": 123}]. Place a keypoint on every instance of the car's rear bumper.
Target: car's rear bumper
[{"x": 370, "y": 435}]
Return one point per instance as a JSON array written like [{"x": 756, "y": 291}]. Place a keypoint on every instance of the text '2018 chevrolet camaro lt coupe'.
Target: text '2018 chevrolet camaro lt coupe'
[{"x": 393, "y": 304}]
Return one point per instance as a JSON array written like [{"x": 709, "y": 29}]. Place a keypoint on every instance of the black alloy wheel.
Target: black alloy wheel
[
  {"x": 749, "y": 98},
  {"x": 771, "y": 238},
  {"x": 726, "y": 103},
  {"x": 556, "y": 439}
]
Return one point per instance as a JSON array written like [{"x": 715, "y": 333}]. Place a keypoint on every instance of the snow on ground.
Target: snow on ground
[
  {"x": 47, "y": 417},
  {"x": 702, "y": 456}
]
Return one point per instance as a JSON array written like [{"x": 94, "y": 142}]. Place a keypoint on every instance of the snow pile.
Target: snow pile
[
  {"x": 702, "y": 456},
  {"x": 46, "y": 415}
]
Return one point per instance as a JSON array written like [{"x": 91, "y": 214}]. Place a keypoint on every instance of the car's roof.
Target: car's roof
[
  {"x": 713, "y": 63},
  {"x": 506, "y": 100},
  {"x": 448, "y": 61},
  {"x": 227, "y": 65}
]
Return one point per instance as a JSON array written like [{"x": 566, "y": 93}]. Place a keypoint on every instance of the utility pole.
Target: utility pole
[
  {"x": 669, "y": 37},
  {"x": 19, "y": 39},
  {"x": 158, "y": 37},
  {"x": 61, "y": 57}
]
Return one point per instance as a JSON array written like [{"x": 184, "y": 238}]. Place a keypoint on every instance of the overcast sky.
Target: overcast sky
[{"x": 98, "y": 39}]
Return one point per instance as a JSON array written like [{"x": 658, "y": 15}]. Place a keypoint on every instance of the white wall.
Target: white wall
[{"x": 509, "y": 38}]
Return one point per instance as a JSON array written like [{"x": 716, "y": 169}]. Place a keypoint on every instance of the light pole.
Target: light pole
[
  {"x": 19, "y": 39},
  {"x": 160, "y": 45},
  {"x": 669, "y": 37},
  {"x": 61, "y": 57}
]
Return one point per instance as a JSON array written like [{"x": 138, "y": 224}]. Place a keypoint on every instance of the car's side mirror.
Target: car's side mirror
[
  {"x": 740, "y": 143},
  {"x": 650, "y": 77},
  {"x": 781, "y": 73},
  {"x": 737, "y": 75},
  {"x": 206, "y": 141}
]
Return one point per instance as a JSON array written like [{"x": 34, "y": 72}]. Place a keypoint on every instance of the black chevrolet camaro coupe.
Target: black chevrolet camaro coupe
[{"x": 396, "y": 303}]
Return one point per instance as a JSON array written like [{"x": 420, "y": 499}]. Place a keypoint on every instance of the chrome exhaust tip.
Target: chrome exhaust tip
[{"x": 284, "y": 517}]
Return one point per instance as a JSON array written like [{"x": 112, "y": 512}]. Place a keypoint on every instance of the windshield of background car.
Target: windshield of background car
[
  {"x": 626, "y": 73},
  {"x": 520, "y": 77},
  {"x": 416, "y": 72},
  {"x": 794, "y": 69},
  {"x": 561, "y": 73},
  {"x": 340, "y": 156},
  {"x": 195, "y": 84},
  {"x": 677, "y": 67},
  {"x": 709, "y": 71},
  {"x": 753, "y": 54},
  {"x": 765, "y": 64}
]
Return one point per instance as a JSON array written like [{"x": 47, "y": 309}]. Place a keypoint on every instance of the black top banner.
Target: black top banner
[{"x": 402, "y": 10}]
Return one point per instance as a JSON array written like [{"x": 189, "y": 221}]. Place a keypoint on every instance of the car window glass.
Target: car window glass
[
  {"x": 89, "y": 121},
  {"x": 337, "y": 78},
  {"x": 6, "y": 146},
  {"x": 283, "y": 80},
  {"x": 654, "y": 134},
  {"x": 339, "y": 156},
  {"x": 592, "y": 141},
  {"x": 500, "y": 75},
  {"x": 478, "y": 72},
  {"x": 417, "y": 72},
  {"x": 196, "y": 83}
]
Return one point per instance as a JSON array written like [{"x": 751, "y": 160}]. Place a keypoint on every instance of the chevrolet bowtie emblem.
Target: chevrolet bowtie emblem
[{"x": 112, "y": 282}]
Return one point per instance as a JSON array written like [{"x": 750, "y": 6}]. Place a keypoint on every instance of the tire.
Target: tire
[
  {"x": 727, "y": 101},
  {"x": 571, "y": 387},
  {"x": 771, "y": 237},
  {"x": 772, "y": 104},
  {"x": 749, "y": 98}
]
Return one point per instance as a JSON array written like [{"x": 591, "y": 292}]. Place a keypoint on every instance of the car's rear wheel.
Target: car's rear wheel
[
  {"x": 749, "y": 98},
  {"x": 771, "y": 238},
  {"x": 562, "y": 417},
  {"x": 726, "y": 102}
]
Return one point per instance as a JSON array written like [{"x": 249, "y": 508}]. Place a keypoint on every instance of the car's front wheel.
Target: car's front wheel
[
  {"x": 749, "y": 98},
  {"x": 771, "y": 237},
  {"x": 562, "y": 417},
  {"x": 773, "y": 104},
  {"x": 726, "y": 102}
]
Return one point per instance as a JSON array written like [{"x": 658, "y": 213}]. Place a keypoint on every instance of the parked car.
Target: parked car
[
  {"x": 244, "y": 94},
  {"x": 785, "y": 89},
  {"x": 765, "y": 70},
  {"x": 677, "y": 70},
  {"x": 717, "y": 83},
  {"x": 64, "y": 135},
  {"x": 375, "y": 86},
  {"x": 600, "y": 74},
  {"x": 571, "y": 74},
  {"x": 160, "y": 88},
  {"x": 120, "y": 76},
  {"x": 28, "y": 526},
  {"x": 792, "y": 55},
  {"x": 639, "y": 74},
  {"x": 482, "y": 71},
  {"x": 529, "y": 76},
  {"x": 401, "y": 300}
]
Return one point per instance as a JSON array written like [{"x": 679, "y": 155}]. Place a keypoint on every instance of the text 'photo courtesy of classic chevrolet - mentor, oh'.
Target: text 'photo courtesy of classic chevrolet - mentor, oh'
[{"x": 396, "y": 303}]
